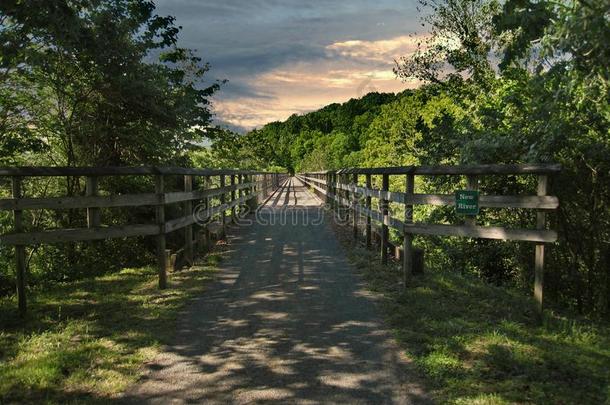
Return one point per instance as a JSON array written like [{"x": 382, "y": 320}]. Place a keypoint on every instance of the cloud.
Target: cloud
[
  {"x": 380, "y": 51},
  {"x": 351, "y": 69},
  {"x": 290, "y": 56}
]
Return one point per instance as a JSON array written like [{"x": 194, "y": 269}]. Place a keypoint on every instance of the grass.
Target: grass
[
  {"x": 86, "y": 341},
  {"x": 474, "y": 343}
]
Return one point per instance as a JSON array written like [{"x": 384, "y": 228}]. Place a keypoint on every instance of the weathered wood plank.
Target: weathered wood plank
[
  {"x": 115, "y": 171},
  {"x": 110, "y": 201},
  {"x": 78, "y": 234},
  {"x": 211, "y": 212},
  {"x": 487, "y": 169},
  {"x": 59, "y": 203},
  {"x": 500, "y": 233},
  {"x": 179, "y": 223},
  {"x": 488, "y": 201}
]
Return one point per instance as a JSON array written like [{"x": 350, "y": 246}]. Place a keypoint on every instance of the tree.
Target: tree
[
  {"x": 98, "y": 82},
  {"x": 461, "y": 38}
]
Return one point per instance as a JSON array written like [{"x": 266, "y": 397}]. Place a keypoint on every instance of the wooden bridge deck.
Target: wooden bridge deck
[
  {"x": 292, "y": 193},
  {"x": 287, "y": 321}
]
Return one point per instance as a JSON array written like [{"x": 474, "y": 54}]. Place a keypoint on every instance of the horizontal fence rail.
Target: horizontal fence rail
[
  {"x": 344, "y": 189},
  {"x": 205, "y": 207}
]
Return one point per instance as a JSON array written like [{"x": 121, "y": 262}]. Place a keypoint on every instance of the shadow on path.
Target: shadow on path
[{"x": 287, "y": 321}]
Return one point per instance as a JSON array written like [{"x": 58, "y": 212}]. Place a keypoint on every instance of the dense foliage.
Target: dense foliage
[
  {"x": 545, "y": 101},
  {"x": 92, "y": 83}
]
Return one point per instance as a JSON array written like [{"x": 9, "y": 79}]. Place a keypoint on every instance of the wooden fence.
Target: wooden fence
[
  {"x": 344, "y": 188},
  {"x": 212, "y": 193}
]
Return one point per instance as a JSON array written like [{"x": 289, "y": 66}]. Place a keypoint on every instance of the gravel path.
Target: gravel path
[{"x": 286, "y": 322}]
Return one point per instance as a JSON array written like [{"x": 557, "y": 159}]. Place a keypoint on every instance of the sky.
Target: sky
[{"x": 282, "y": 57}]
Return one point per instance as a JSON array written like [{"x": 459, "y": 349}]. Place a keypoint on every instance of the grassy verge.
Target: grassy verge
[
  {"x": 478, "y": 344},
  {"x": 86, "y": 341}
]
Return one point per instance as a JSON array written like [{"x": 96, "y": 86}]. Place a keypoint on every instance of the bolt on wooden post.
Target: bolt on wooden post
[{"x": 160, "y": 219}]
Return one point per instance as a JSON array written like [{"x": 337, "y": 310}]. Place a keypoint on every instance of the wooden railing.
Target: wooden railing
[
  {"x": 344, "y": 188},
  {"x": 217, "y": 197}
]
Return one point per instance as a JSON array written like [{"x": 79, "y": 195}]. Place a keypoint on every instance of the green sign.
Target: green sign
[{"x": 467, "y": 202}]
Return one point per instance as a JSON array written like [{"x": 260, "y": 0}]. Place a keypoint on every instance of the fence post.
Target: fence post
[
  {"x": 252, "y": 191},
  {"x": 188, "y": 231},
  {"x": 20, "y": 263},
  {"x": 223, "y": 200},
  {"x": 206, "y": 204},
  {"x": 385, "y": 185},
  {"x": 239, "y": 195},
  {"x": 407, "y": 248},
  {"x": 355, "y": 210},
  {"x": 472, "y": 184},
  {"x": 328, "y": 199},
  {"x": 160, "y": 219},
  {"x": 539, "y": 257},
  {"x": 93, "y": 213},
  {"x": 233, "y": 199},
  {"x": 368, "y": 216},
  {"x": 335, "y": 191}
]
